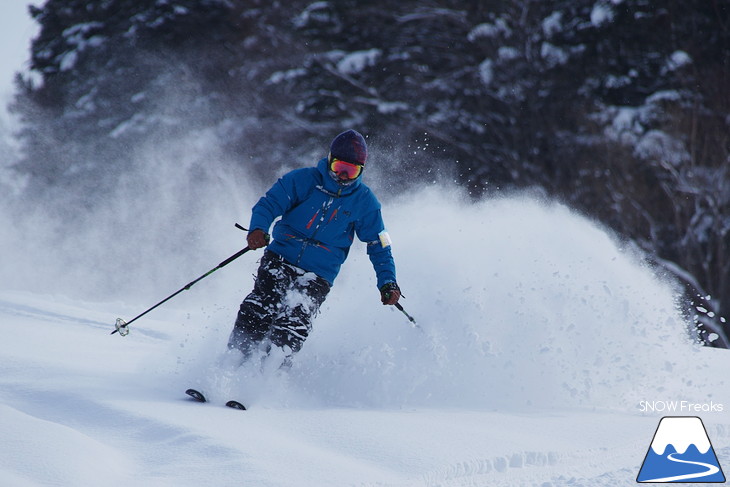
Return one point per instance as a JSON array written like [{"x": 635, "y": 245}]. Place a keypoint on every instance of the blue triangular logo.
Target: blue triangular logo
[{"x": 681, "y": 452}]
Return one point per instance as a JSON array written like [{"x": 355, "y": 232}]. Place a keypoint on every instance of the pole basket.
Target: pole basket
[{"x": 122, "y": 327}]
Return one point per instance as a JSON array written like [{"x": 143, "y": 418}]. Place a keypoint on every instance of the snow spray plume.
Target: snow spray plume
[
  {"x": 165, "y": 214},
  {"x": 524, "y": 305}
]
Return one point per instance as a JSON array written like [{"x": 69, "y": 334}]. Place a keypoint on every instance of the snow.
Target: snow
[
  {"x": 553, "y": 55},
  {"x": 486, "y": 71},
  {"x": 678, "y": 60},
  {"x": 281, "y": 76},
  {"x": 315, "y": 12},
  {"x": 655, "y": 144},
  {"x": 601, "y": 14},
  {"x": 488, "y": 30},
  {"x": 508, "y": 53},
  {"x": 680, "y": 433},
  {"x": 358, "y": 61},
  {"x": 552, "y": 24},
  {"x": 386, "y": 107},
  {"x": 539, "y": 339},
  {"x": 77, "y": 37}
]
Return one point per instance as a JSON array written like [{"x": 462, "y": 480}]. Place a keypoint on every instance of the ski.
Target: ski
[
  {"x": 199, "y": 397},
  {"x": 236, "y": 405}
]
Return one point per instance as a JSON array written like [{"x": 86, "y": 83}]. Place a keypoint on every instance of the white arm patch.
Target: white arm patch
[{"x": 384, "y": 239}]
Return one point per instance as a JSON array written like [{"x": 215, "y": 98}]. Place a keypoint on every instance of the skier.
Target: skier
[{"x": 321, "y": 209}]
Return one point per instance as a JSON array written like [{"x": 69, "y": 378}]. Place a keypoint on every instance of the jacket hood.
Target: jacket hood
[{"x": 331, "y": 185}]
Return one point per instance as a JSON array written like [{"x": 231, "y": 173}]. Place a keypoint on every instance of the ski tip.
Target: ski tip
[
  {"x": 198, "y": 396},
  {"x": 236, "y": 405}
]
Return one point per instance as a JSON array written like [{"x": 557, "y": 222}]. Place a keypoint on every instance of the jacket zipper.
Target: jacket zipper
[{"x": 325, "y": 206}]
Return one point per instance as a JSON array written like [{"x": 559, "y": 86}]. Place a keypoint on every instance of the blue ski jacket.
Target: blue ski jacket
[{"x": 319, "y": 219}]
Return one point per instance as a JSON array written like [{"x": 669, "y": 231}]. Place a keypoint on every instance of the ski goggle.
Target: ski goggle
[{"x": 345, "y": 170}]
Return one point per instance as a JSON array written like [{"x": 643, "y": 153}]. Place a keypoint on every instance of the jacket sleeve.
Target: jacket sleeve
[
  {"x": 372, "y": 232},
  {"x": 286, "y": 193}
]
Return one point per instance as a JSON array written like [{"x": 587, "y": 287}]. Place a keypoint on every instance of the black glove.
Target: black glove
[
  {"x": 257, "y": 239},
  {"x": 389, "y": 293}
]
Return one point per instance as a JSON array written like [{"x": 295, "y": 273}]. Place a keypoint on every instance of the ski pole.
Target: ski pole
[
  {"x": 121, "y": 325},
  {"x": 410, "y": 318}
]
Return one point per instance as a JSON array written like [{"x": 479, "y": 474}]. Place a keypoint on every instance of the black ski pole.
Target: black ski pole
[
  {"x": 121, "y": 325},
  {"x": 410, "y": 318}
]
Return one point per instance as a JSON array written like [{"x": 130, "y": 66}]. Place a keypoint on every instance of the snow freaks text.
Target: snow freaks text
[{"x": 680, "y": 407}]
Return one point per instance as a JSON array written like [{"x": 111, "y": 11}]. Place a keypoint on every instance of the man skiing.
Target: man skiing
[{"x": 322, "y": 208}]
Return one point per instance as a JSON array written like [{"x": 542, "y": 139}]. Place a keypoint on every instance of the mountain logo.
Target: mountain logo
[{"x": 681, "y": 452}]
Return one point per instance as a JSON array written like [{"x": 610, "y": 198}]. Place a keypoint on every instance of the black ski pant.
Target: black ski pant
[{"x": 280, "y": 308}]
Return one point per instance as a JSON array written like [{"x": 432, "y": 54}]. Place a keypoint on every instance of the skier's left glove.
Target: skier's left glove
[{"x": 389, "y": 293}]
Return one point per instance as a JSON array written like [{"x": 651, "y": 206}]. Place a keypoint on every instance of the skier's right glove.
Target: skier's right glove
[{"x": 257, "y": 239}]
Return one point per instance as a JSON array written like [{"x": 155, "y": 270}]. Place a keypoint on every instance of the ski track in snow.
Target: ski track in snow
[{"x": 528, "y": 371}]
